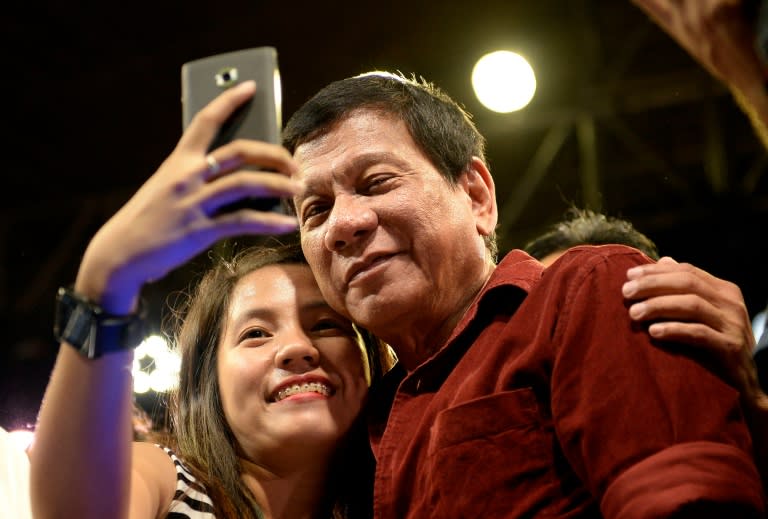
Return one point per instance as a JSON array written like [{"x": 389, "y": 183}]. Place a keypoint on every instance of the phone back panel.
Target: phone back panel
[{"x": 204, "y": 79}]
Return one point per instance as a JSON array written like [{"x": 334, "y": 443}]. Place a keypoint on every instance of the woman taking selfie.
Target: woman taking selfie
[{"x": 265, "y": 420}]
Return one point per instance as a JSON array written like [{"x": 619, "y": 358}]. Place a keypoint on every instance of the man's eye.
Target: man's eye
[
  {"x": 332, "y": 326},
  {"x": 313, "y": 210},
  {"x": 377, "y": 182}
]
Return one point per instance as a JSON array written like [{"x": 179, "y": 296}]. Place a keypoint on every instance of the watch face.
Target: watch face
[
  {"x": 84, "y": 326},
  {"x": 75, "y": 321}
]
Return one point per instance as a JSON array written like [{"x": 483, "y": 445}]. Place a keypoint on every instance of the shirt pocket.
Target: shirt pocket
[{"x": 492, "y": 455}]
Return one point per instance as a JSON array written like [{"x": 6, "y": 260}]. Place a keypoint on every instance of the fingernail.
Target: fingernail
[
  {"x": 247, "y": 85},
  {"x": 629, "y": 288},
  {"x": 636, "y": 311},
  {"x": 634, "y": 272},
  {"x": 655, "y": 330}
]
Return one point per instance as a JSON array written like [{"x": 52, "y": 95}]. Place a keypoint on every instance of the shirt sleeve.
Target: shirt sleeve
[{"x": 647, "y": 426}]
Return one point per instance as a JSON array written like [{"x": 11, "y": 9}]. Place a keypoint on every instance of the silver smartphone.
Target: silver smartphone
[{"x": 259, "y": 118}]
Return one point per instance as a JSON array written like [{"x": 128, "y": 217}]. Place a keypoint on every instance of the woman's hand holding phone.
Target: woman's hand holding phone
[{"x": 176, "y": 214}]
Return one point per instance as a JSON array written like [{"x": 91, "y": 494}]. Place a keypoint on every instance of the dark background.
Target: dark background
[{"x": 623, "y": 121}]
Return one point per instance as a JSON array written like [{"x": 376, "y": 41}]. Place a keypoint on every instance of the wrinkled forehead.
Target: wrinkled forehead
[
  {"x": 354, "y": 142},
  {"x": 321, "y": 127}
]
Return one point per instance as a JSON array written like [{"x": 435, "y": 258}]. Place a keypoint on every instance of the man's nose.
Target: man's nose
[{"x": 351, "y": 219}]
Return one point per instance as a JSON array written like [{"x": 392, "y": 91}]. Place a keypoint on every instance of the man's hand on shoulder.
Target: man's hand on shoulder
[{"x": 685, "y": 304}]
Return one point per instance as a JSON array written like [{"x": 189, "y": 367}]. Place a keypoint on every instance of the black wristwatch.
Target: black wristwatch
[{"x": 92, "y": 332}]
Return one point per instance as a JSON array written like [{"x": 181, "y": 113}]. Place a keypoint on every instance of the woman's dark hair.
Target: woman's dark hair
[{"x": 200, "y": 431}]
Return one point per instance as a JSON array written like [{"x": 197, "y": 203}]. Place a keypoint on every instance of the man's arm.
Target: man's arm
[
  {"x": 720, "y": 37},
  {"x": 686, "y": 305}
]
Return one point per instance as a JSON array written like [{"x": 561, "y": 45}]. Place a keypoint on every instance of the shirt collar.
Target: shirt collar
[
  {"x": 516, "y": 271},
  {"x": 511, "y": 280}
]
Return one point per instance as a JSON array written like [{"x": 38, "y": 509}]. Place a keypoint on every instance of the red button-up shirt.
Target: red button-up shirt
[{"x": 548, "y": 401}]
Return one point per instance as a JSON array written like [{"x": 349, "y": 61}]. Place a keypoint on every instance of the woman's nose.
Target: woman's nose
[{"x": 297, "y": 353}]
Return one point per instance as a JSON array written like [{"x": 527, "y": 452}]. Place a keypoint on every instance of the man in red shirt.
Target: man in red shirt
[{"x": 520, "y": 391}]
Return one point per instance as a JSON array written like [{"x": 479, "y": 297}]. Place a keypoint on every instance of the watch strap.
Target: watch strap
[{"x": 85, "y": 326}]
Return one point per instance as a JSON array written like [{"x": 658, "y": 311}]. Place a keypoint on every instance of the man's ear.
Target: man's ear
[{"x": 477, "y": 181}]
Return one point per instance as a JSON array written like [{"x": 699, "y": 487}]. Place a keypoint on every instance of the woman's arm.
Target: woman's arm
[{"x": 82, "y": 458}]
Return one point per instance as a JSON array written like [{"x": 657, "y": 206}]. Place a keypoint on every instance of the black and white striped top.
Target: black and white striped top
[{"x": 190, "y": 500}]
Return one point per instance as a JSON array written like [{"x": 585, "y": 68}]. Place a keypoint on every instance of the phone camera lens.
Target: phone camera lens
[{"x": 226, "y": 77}]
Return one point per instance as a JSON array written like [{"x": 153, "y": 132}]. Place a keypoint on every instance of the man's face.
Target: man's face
[{"x": 392, "y": 243}]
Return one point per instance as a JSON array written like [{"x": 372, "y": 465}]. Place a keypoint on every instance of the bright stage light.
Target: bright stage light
[
  {"x": 503, "y": 81},
  {"x": 155, "y": 366},
  {"x": 21, "y": 438}
]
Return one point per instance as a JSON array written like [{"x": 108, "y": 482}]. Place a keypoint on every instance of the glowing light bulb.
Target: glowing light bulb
[
  {"x": 503, "y": 81},
  {"x": 155, "y": 366}
]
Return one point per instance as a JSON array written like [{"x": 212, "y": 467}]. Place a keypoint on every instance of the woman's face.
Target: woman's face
[{"x": 290, "y": 369}]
